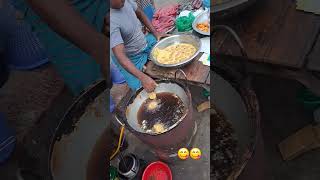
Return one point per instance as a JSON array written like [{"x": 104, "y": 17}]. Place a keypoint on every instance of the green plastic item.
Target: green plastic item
[
  {"x": 205, "y": 93},
  {"x": 113, "y": 173},
  {"x": 309, "y": 100},
  {"x": 184, "y": 23}
]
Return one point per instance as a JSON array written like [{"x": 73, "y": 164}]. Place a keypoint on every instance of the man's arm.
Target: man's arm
[
  {"x": 119, "y": 53},
  {"x": 144, "y": 19},
  {"x": 63, "y": 19},
  {"x": 147, "y": 83}
]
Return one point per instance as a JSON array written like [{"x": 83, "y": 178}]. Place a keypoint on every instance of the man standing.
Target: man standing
[{"x": 130, "y": 46}]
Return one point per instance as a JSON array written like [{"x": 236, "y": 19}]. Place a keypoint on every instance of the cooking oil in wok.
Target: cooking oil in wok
[{"x": 158, "y": 114}]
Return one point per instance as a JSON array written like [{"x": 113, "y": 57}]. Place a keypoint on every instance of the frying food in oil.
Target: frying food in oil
[
  {"x": 158, "y": 128},
  {"x": 152, "y": 95},
  {"x": 152, "y": 105},
  {"x": 161, "y": 113}
]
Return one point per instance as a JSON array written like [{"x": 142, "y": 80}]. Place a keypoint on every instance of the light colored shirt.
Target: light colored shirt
[{"x": 125, "y": 28}]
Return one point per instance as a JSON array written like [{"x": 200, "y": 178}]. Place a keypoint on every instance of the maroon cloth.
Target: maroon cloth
[{"x": 164, "y": 18}]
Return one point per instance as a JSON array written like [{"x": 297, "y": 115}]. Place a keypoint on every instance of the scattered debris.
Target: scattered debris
[{"x": 224, "y": 154}]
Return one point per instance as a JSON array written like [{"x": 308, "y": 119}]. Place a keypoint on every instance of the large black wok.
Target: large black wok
[
  {"x": 232, "y": 94},
  {"x": 79, "y": 147},
  {"x": 167, "y": 143}
]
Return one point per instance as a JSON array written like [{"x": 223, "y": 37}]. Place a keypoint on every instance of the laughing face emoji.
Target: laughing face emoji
[
  {"x": 183, "y": 153},
  {"x": 195, "y": 153}
]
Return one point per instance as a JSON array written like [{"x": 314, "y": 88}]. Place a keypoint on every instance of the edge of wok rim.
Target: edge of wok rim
[
  {"x": 72, "y": 115},
  {"x": 249, "y": 98}
]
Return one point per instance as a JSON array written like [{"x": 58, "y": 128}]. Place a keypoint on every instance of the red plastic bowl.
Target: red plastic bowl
[{"x": 157, "y": 171}]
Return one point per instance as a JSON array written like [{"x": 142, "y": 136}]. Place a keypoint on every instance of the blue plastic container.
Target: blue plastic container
[
  {"x": 206, "y": 3},
  {"x": 7, "y": 140},
  {"x": 116, "y": 76},
  {"x": 24, "y": 50}
]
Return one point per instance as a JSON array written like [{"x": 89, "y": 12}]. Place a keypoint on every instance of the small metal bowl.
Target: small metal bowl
[
  {"x": 202, "y": 17},
  {"x": 175, "y": 39}
]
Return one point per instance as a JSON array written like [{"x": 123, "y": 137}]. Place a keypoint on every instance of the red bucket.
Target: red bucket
[{"x": 157, "y": 171}]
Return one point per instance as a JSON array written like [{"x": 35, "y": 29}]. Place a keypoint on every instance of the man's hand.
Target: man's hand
[
  {"x": 143, "y": 18},
  {"x": 148, "y": 83},
  {"x": 160, "y": 35}
]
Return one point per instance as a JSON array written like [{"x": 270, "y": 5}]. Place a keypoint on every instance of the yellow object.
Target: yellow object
[
  {"x": 175, "y": 53},
  {"x": 158, "y": 128},
  {"x": 183, "y": 153},
  {"x": 203, "y": 26},
  {"x": 203, "y": 106},
  {"x": 302, "y": 141},
  {"x": 152, "y": 105},
  {"x": 119, "y": 143},
  {"x": 195, "y": 153},
  {"x": 152, "y": 95}
]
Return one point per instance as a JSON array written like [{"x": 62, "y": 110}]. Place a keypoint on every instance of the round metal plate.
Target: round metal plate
[
  {"x": 204, "y": 16},
  {"x": 181, "y": 38}
]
